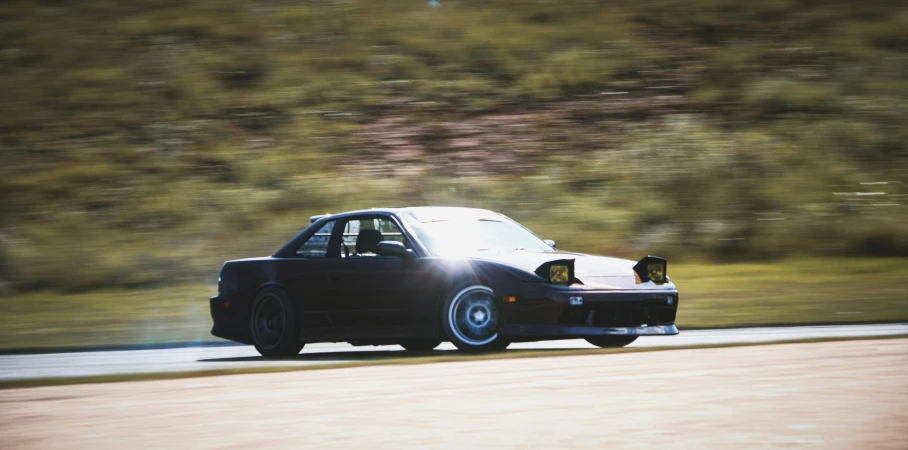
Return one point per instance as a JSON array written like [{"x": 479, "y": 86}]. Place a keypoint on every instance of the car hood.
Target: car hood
[{"x": 601, "y": 272}]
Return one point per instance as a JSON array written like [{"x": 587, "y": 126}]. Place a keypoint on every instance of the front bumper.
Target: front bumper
[{"x": 544, "y": 311}]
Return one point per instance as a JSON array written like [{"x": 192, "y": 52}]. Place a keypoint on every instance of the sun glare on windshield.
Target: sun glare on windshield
[{"x": 465, "y": 237}]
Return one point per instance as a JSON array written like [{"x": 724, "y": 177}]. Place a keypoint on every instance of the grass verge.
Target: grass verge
[
  {"x": 791, "y": 292},
  {"x": 459, "y": 357}
]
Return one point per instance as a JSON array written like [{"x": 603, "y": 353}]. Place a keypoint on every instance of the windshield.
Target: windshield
[{"x": 464, "y": 236}]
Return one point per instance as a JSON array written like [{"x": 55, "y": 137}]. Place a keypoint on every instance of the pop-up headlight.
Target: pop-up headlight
[
  {"x": 557, "y": 272},
  {"x": 652, "y": 268}
]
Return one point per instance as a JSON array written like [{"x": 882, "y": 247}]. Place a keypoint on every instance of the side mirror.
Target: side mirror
[
  {"x": 394, "y": 248},
  {"x": 550, "y": 243}
]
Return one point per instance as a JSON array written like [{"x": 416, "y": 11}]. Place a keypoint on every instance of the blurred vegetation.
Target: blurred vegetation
[{"x": 142, "y": 143}]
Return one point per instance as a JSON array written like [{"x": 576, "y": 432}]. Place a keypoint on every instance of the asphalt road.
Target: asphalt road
[
  {"x": 16, "y": 367},
  {"x": 829, "y": 395}
]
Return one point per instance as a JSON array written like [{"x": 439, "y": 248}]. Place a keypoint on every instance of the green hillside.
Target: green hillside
[{"x": 144, "y": 142}]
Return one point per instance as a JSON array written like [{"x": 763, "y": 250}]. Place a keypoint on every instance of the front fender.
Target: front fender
[{"x": 502, "y": 278}]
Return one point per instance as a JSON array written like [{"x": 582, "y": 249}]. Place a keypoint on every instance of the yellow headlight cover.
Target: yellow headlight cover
[
  {"x": 558, "y": 273},
  {"x": 656, "y": 272}
]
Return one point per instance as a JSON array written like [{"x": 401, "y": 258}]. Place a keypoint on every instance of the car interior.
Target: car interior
[{"x": 361, "y": 236}]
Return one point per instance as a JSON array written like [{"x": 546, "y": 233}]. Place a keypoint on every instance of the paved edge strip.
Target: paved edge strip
[
  {"x": 224, "y": 343},
  {"x": 427, "y": 359}
]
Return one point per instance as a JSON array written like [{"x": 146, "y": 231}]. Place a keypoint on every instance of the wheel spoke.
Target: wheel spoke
[{"x": 473, "y": 317}]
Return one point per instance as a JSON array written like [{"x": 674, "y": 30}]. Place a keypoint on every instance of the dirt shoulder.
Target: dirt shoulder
[{"x": 851, "y": 394}]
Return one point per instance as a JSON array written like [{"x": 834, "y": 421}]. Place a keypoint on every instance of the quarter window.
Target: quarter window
[{"x": 317, "y": 244}]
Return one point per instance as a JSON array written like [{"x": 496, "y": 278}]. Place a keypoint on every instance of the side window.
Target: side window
[
  {"x": 391, "y": 232},
  {"x": 317, "y": 244},
  {"x": 361, "y": 236}
]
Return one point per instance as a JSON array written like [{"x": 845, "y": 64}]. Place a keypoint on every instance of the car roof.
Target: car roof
[{"x": 425, "y": 213}]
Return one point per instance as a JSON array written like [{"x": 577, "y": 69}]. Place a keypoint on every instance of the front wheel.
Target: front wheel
[
  {"x": 273, "y": 324},
  {"x": 470, "y": 318},
  {"x": 611, "y": 341}
]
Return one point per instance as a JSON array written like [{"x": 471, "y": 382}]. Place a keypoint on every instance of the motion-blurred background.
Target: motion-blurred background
[{"x": 761, "y": 146}]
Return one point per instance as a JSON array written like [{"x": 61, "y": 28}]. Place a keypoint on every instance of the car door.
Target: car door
[
  {"x": 305, "y": 277},
  {"x": 373, "y": 295}
]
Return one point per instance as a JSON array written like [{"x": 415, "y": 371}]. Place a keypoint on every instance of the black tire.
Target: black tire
[
  {"x": 611, "y": 341},
  {"x": 470, "y": 319},
  {"x": 419, "y": 345},
  {"x": 273, "y": 325}
]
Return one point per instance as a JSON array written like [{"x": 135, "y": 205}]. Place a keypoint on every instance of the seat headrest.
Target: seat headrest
[{"x": 367, "y": 241}]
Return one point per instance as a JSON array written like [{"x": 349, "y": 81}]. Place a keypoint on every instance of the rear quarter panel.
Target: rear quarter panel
[{"x": 240, "y": 282}]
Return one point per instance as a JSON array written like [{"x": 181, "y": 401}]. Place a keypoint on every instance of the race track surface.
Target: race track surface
[
  {"x": 78, "y": 364},
  {"x": 829, "y": 395}
]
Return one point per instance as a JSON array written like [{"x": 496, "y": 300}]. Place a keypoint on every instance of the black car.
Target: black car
[{"x": 419, "y": 276}]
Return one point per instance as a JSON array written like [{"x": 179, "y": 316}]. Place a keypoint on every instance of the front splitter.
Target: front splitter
[{"x": 578, "y": 331}]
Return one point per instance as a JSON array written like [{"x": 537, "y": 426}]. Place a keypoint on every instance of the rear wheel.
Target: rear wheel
[
  {"x": 611, "y": 341},
  {"x": 419, "y": 345},
  {"x": 273, "y": 324},
  {"x": 470, "y": 318}
]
